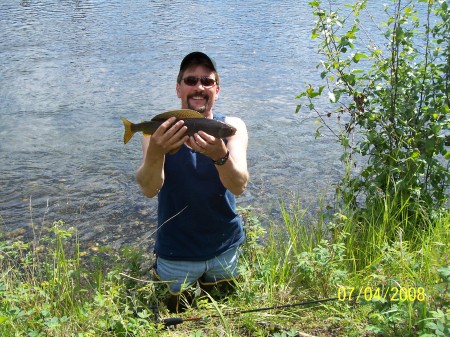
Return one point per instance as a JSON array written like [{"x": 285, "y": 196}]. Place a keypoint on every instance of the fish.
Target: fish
[{"x": 194, "y": 121}]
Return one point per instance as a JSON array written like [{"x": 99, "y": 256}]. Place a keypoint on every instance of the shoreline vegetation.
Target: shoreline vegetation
[
  {"x": 386, "y": 283},
  {"x": 379, "y": 256}
]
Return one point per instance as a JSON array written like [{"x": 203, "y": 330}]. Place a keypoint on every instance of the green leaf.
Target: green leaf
[
  {"x": 303, "y": 94},
  {"x": 408, "y": 10},
  {"x": 318, "y": 134},
  {"x": 359, "y": 56},
  {"x": 432, "y": 326},
  {"x": 399, "y": 33},
  {"x": 312, "y": 93},
  {"x": 349, "y": 78},
  {"x": 144, "y": 314}
]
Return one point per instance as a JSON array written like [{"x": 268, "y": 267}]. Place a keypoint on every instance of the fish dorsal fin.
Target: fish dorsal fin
[{"x": 180, "y": 114}]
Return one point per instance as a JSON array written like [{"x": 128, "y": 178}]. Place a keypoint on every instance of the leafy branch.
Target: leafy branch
[{"x": 390, "y": 103}]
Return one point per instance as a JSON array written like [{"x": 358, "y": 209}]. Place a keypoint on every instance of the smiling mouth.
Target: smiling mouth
[{"x": 198, "y": 97}]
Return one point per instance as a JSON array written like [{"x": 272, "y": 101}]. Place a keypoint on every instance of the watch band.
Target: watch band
[{"x": 222, "y": 160}]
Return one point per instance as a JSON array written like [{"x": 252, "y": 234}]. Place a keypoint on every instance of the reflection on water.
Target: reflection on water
[{"x": 69, "y": 69}]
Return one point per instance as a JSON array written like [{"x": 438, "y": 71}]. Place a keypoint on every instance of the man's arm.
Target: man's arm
[{"x": 167, "y": 138}]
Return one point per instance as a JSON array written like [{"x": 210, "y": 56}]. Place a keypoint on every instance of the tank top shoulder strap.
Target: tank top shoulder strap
[{"x": 219, "y": 117}]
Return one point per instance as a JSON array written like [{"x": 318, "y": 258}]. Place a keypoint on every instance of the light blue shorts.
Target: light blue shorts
[{"x": 181, "y": 274}]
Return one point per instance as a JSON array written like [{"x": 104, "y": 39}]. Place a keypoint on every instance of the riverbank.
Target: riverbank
[{"x": 382, "y": 287}]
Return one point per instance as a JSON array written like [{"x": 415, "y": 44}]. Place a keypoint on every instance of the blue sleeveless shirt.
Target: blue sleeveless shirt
[{"x": 207, "y": 224}]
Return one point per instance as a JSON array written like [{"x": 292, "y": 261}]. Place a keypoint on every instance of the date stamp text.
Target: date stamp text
[{"x": 393, "y": 294}]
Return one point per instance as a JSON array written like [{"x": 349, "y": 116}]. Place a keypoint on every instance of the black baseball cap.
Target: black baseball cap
[{"x": 197, "y": 55}]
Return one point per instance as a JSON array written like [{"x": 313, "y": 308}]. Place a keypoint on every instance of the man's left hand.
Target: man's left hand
[{"x": 208, "y": 145}]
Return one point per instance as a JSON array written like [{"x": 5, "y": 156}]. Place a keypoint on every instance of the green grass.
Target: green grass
[{"x": 51, "y": 287}]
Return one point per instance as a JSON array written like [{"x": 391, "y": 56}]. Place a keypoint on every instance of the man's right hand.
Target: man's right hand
[{"x": 168, "y": 138}]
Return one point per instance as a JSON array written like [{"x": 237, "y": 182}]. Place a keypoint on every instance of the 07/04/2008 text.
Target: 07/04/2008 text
[{"x": 393, "y": 294}]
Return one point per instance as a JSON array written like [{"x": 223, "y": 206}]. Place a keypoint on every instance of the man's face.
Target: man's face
[{"x": 198, "y": 97}]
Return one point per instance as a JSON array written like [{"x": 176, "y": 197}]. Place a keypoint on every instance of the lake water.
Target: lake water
[{"x": 70, "y": 69}]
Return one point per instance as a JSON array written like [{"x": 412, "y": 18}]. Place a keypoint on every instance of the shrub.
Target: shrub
[{"x": 391, "y": 103}]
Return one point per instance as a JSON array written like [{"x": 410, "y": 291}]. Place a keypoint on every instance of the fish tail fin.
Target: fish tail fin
[{"x": 128, "y": 132}]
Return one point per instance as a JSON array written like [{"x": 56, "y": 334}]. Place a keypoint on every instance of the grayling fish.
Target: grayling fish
[{"x": 194, "y": 121}]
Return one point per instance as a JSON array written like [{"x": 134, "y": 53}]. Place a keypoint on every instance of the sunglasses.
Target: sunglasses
[{"x": 205, "y": 81}]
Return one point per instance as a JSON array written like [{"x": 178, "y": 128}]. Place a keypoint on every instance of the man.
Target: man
[{"x": 196, "y": 179}]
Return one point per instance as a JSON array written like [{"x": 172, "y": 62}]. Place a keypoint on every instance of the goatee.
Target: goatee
[{"x": 200, "y": 109}]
